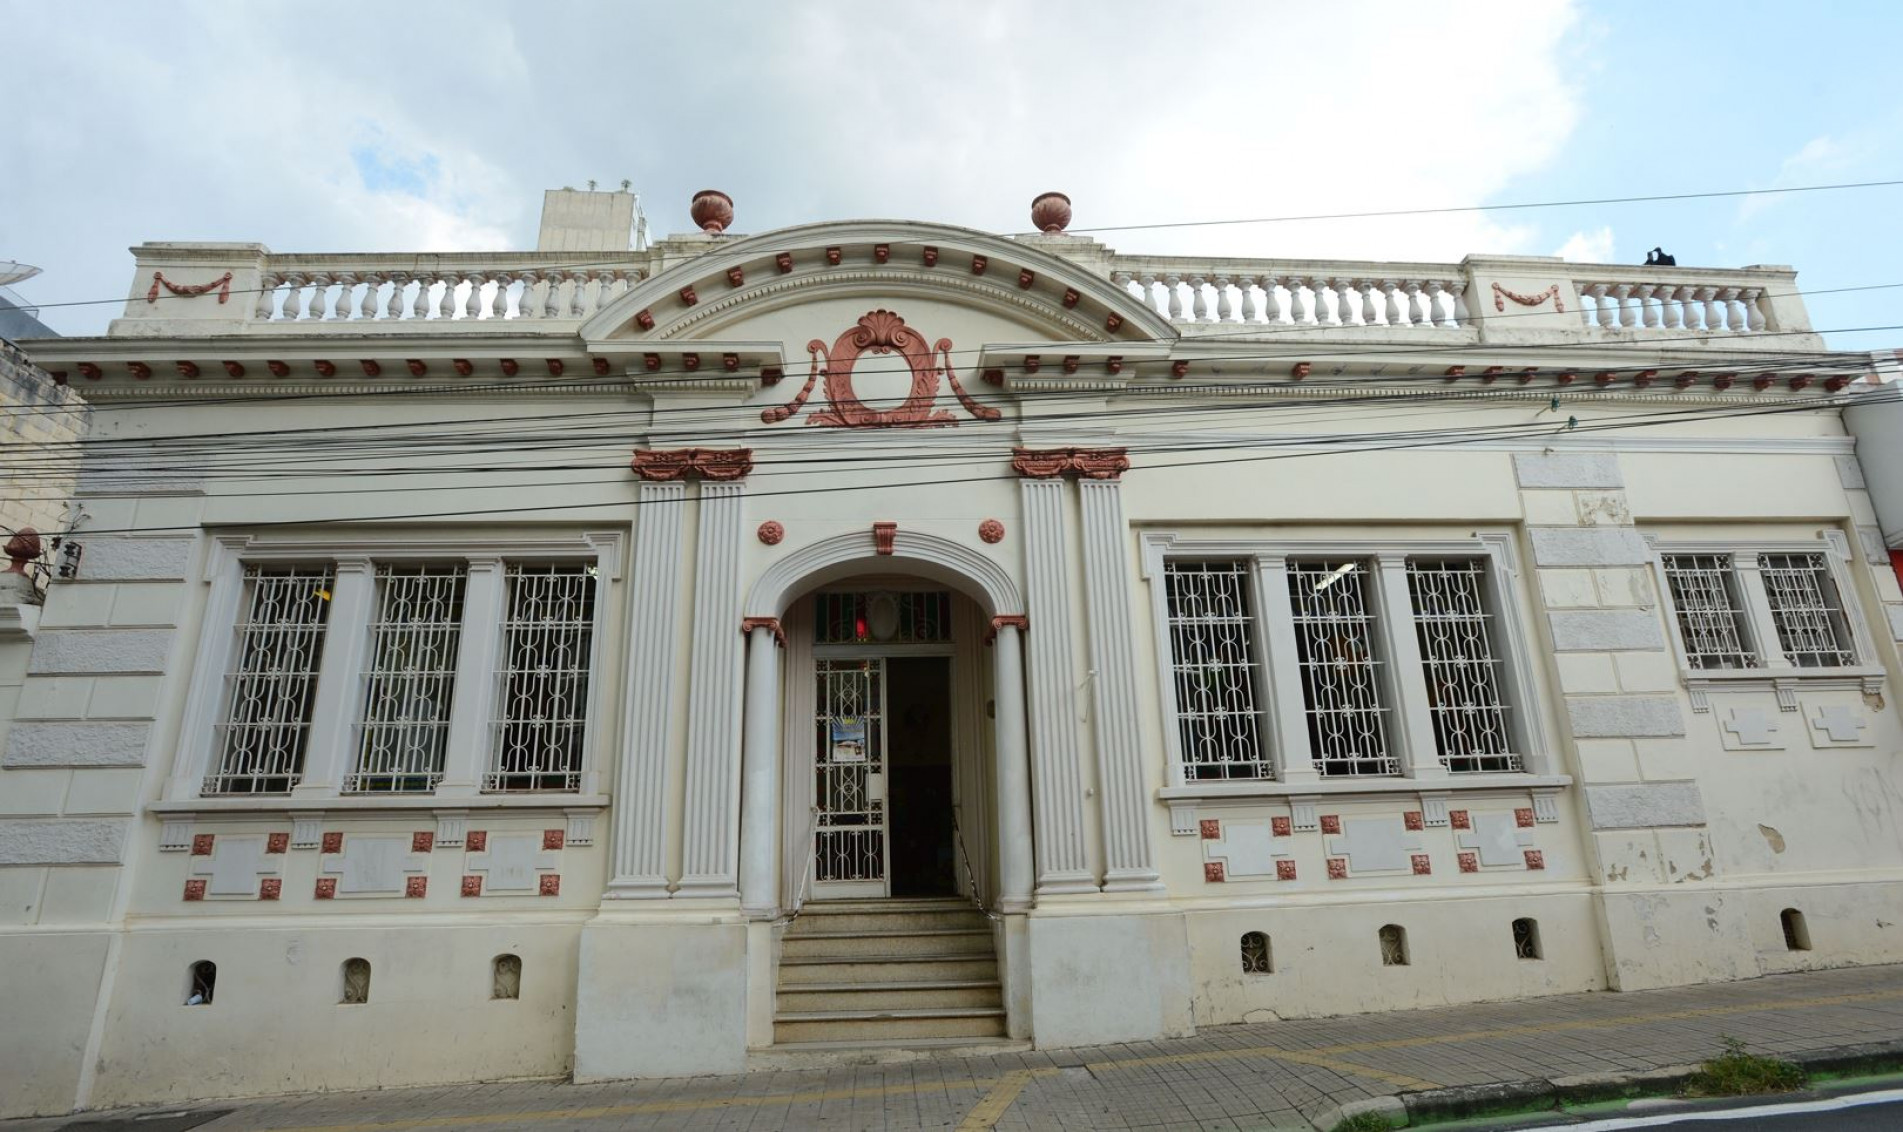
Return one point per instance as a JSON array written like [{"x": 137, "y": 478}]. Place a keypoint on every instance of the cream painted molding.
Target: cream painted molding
[
  {"x": 940, "y": 558},
  {"x": 1056, "y": 784}
]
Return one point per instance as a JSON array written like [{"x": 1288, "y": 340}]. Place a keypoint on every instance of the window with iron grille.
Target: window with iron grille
[
  {"x": 1713, "y": 622},
  {"x": 412, "y": 678},
  {"x": 1462, "y": 664},
  {"x": 542, "y": 699},
  {"x": 1342, "y": 691},
  {"x": 911, "y": 618},
  {"x": 272, "y": 686},
  {"x": 1812, "y": 630},
  {"x": 1214, "y": 667}
]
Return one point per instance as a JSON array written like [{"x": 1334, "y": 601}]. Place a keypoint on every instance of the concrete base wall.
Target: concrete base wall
[
  {"x": 1114, "y": 978},
  {"x": 48, "y": 999},
  {"x": 661, "y": 1000}
]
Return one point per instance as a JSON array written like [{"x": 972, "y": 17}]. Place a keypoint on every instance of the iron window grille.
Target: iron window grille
[
  {"x": 272, "y": 686},
  {"x": 412, "y": 679},
  {"x": 1342, "y": 680},
  {"x": 1215, "y": 669},
  {"x": 908, "y": 618},
  {"x": 541, "y": 717},
  {"x": 1462, "y": 665},
  {"x": 1812, "y": 630},
  {"x": 1713, "y": 621}
]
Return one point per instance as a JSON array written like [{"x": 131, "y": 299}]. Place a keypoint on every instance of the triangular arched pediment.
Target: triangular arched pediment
[{"x": 708, "y": 296}]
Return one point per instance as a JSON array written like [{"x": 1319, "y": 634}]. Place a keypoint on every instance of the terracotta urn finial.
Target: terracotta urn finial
[
  {"x": 22, "y": 548},
  {"x": 712, "y": 210},
  {"x": 1050, "y": 212}
]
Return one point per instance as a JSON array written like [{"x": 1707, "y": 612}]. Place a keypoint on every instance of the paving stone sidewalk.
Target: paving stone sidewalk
[{"x": 1274, "y": 1075}]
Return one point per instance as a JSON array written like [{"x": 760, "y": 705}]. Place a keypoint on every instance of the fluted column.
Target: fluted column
[
  {"x": 1061, "y": 863},
  {"x": 713, "y": 710},
  {"x": 760, "y": 797},
  {"x": 1013, "y": 773},
  {"x": 1128, "y": 864},
  {"x": 640, "y": 799}
]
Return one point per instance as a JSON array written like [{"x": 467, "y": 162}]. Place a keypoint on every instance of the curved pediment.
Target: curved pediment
[{"x": 713, "y": 295}]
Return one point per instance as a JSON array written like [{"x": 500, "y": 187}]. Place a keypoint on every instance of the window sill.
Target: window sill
[
  {"x": 1785, "y": 682},
  {"x": 381, "y": 804},
  {"x": 1184, "y": 801}
]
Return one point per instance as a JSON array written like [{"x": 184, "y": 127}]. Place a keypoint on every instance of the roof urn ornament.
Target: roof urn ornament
[
  {"x": 21, "y": 549},
  {"x": 1050, "y": 212},
  {"x": 712, "y": 211}
]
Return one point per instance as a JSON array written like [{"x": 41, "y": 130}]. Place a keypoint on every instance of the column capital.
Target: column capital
[
  {"x": 770, "y": 624},
  {"x": 1089, "y": 463},
  {"x": 668, "y": 464},
  {"x": 1019, "y": 621}
]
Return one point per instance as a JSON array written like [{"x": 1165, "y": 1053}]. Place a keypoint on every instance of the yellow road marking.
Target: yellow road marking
[{"x": 1003, "y": 1091}]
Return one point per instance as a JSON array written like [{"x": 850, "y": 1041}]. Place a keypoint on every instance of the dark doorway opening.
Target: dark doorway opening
[{"x": 919, "y": 775}]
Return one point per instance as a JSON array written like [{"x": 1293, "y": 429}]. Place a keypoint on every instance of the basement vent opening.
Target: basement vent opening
[
  {"x": 356, "y": 982},
  {"x": 506, "y": 977},
  {"x": 1796, "y": 932},
  {"x": 202, "y": 981},
  {"x": 1526, "y": 939},
  {"x": 1393, "y": 946},
  {"x": 1256, "y": 958}
]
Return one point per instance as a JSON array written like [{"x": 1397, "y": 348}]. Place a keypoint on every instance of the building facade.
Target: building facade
[{"x": 499, "y": 665}]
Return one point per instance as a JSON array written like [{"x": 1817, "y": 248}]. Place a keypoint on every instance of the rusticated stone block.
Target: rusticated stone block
[
  {"x": 57, "y": 841},
  {"x": 1567, "y": 469},
  {"x": 1648, "y": 805},
  {"x": 83, "y": 651},
  {"x": 1588, "y": 546},
  {"x": 75, "y": 744},
  {"x": 1625, "y": 717},
  {"x": 1605, "y": 630}
]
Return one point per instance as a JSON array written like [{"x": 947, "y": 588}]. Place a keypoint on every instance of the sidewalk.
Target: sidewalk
[{"x": 1269, "y": 1075}]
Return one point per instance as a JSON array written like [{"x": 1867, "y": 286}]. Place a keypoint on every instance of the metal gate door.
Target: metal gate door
[{"x": 849, "y": 841}]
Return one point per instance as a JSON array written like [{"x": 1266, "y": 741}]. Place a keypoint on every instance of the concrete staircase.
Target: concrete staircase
[{"x": 859, "y": 973}]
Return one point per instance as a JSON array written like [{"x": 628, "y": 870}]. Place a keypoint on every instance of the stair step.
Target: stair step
[
  {"x": 801, "y": 971},
  {"x": 881, "y": 920},
  {"x": 884, "y": 904},
  {"x": 880, "y": 1025},
  {"x": 859, "y": 944},
  {"x": 878, "y": 1051},
  {"x": 887, "y": 997}
]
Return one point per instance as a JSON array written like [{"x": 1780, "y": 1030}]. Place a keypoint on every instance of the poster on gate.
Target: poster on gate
[{"x": 849, "y": 739}]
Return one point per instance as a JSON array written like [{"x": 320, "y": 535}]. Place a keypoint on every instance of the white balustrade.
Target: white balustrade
[
  {"x": 452, "y": 294},
  {"x": 1281, "y": 298},
  {"x": 1708, "y": 308}
]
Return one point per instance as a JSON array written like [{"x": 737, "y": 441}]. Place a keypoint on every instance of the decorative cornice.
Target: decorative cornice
[
  {"x": 692, "y": 463},
  {"x": 749, "y": 624},
  {"x": 1090, "y": 463}
]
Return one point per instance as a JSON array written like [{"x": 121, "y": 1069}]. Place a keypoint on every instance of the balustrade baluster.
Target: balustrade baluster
[
  {"x": 1436, "y": 308},
  {"x": 1290, "y": 296},
  {"x": 1395, "y": 315},
  {"x": 367, "y": 306},
  {"x": 615, "y": 289},
  {"x": 1225, "y": 302},
  {"x": 1415, "y": 301},
  {"x": 1754, "y": 301},
  {"x": 1671, "y": 308},
  {"x": 1461, "y": 316},
  {"x": 1346, "y": 302},
  {"x": 1370, "y": 306},
  {"x": 1175, "y": 296},
  {"x": 1251, "y": 300},
  {"x": 1650, "y": 305},
  {"x": 422, "y": 305},
  {"x": 295, "y": 297},
  {"x": 1199, "y": 302},
  {"x": 1324, "y": 313},
  {"x": 1734, "y": 311},
  {"x": 267, "y": 296}
]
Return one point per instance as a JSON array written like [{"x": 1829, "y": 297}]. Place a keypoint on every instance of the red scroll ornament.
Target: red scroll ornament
[
  {"x": 222, "y": 285},
  {"x": 880, "y": 332}
]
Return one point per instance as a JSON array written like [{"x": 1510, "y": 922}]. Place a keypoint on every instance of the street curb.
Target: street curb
[{"x": 1465, "y": 1102}]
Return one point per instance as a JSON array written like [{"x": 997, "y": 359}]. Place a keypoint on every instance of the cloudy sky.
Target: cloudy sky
[{"x": 413, "y": 125}]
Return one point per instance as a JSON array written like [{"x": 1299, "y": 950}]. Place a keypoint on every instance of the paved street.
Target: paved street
[{"x": 1261, "y": 1076}]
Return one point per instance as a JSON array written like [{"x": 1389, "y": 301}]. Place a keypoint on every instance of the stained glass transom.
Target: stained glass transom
[
  {"x": 1811, "y": 627},
  {"x": 1213, "y": 665},
  {"x": 1711, "y": 611},
  {"x": 1461, "y": 665},
  {"x": 542, "y": 703},
  {"x": 885, "y": 617},
  {"x": 1341, "y": 673},
  {"x": 412, "y": 678},
  {"x": 273, "y": 685}
]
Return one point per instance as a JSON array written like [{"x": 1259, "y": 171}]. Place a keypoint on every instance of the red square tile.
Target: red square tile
[
  {"x": 1523, "y": 817},
  {"x": 333, "y": 842},
  {"x": 326, "y": 888},
  {"x": 1211, "y": 829},
  {"x": 269, "y": 888},
  {"x": 1212, "y": 872},
  {"x": 415, "y": 886},
  {"x": 551, "y": 884},
  {"x": 201, "y": 844},
  {"x": 1535, "y": 859},
  {"x": 422, "y": 842},
  {"x": 1459, "y": 819},
  {"x": 195, "y": 889},
  {"x": 1280, "y": 827},
  {"x": 1470, "y": 862},
  {"x": 1423, "y": 865},
  {"x": 1331, "y": 823},
  {"x": 552, "y": 838},
  {"x": 1414, "y": 819},
  {"x": 1337, "y": 868},
  {"x": 478, "y": 841},
  {"x": 277, "y": 842},
  {"x": 472, "y": 886},
  {"x": 1285, "y": 870}
]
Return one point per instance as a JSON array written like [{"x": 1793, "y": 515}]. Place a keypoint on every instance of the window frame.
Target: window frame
[
  {"x": 1283, "y": 704},
  {"x": 1774, "y": 671},
  {"x": 343, "y": 672}
]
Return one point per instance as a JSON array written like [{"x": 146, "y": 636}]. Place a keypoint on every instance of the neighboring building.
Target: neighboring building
[
  {"x": 1248, "y": 638},
  {"x": 1877, "y": 424},
  {"x": 41, "y": 422}
]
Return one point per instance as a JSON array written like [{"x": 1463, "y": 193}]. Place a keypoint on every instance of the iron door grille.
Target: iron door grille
[
  {"x": 273, "y": 684},
  {"x": 850, "y": 830}
]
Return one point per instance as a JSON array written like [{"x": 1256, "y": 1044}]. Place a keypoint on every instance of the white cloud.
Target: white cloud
[
  {"x": 1588, "y": 247},
  {"x": 1820, "y": 161},
  {"x": 240, "y": 122}
]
